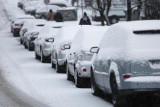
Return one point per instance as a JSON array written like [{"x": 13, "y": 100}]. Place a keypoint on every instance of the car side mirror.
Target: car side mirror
[
  {"x": 66, "y": 46},
  {"x": 94, "y": 50}
]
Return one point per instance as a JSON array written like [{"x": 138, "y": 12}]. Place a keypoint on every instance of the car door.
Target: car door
[
  {"x": 98, "y": 71},
  {"x": 105, "y": 73}
]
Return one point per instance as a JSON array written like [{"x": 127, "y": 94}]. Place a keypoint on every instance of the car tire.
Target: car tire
[
  {"x": 69, "y": 76},
  {"x": 52, "y": 64},
  {"x": 36, "y": 56},
  {"x": 113, "y": 19},
  {"x": 58, "y": 68},
  {"x": 117, "y": 100},
  {"x": 78, "y": 80},
  {"x": 94, "y": 89},
  {"x": 21, "y": 41},
  {"x": 42, "y": 57},
  {"x": 29, "y": 47}
]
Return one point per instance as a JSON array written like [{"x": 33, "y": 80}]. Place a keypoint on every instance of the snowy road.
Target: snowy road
[{"x": 26, "y": 82}]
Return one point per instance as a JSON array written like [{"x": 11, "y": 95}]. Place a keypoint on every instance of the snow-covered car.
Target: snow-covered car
[
  {"x": 79, "y": 56},
  {"x": 44, "y": 40},
  {"x": 32, "y": 34},
  {"x": 31, "y": 5},
  {"x": 17, "y": 23},
  {"x": 61, "y": 45},
  {"x": 127, "y": 61},
  {"x": 26, "y": 26}
]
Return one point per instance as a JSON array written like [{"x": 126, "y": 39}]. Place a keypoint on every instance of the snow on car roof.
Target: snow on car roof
[
  {"x": 120, "y": 41},
  {"x": 66, "y": 33},
  {"x": 87, "y": 37},
  {"x": 49, "y": 30}
]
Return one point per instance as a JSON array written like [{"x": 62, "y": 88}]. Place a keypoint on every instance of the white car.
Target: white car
[
  {"x": 79, "y": 56},
  {"x": 32, "y": 33},
  {"x": 59, "y": 48},
  {"x": 31, "y": 5},
  {"x": 27, "y": 25},
  {"x": 17, "y": 23},
  {"x": 44, "y": 40}
]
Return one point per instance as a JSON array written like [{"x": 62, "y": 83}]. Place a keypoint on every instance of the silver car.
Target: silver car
[
  {"x": 79, "y": 57},
  {"x": 61, "y": 46},
  {"x": 127, "y": 61}
]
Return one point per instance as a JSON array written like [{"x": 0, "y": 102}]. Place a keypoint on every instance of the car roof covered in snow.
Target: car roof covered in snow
[
  {"x": 132, "y": 40},
  {"x": 87, "y": 37}
]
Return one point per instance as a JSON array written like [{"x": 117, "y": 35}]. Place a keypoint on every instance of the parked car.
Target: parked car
[
  {"x": 116, "y": 12},
  {"x": 31, "y": 5},
  {"x": 41, "y": 12},
  {"x": 127, "y": 61},
  {"x": 32, "y": 34},
  {"x": 61, "y": 45},
  {"x": 44, "y": 40},
  {"x": 79, "y": 56},
  {"x": 26, "y": 26},
  {"x": 17, "y": 23},
  {"x": 68, "y": 13}
]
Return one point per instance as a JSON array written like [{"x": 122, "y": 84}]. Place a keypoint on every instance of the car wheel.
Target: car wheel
[
  {"x": 94, "y": 89},
  {"x": 36, "y": 56},
  {"x": 113, "y": 19},
  {"x": 29, "y": 47},
  {"x": 58, "y": 68},
  {"x": 69, "y": 76},
  {"x": 78, "y": 80},
  {"x": 117, "y": 100},
  {"x": 42, "y": 57},
  {"x": 21, "y": 41},
  {"x": 52, "y": 64}
]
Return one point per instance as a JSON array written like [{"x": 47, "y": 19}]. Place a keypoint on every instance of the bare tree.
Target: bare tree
[{"x": 103, "y": 6}]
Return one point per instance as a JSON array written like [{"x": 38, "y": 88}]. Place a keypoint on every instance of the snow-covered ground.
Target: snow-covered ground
[{"x": 26, "y": 82}]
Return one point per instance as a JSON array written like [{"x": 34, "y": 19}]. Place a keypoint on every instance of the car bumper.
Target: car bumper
[
  {"x": 141, "y": 84},
  {"x": 84, "y": 65},
  {"x": 140, "y": 91},
  {"x": 62, "y": 61},
  {"x": 47, "y": 52}
]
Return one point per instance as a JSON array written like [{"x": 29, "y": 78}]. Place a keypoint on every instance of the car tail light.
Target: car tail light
[
  {"x": 125, "y": 76},
  {"x": 84, "y": 69}
]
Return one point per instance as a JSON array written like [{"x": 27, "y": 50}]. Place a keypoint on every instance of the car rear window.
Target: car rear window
[{"x": 157, "y": 31}]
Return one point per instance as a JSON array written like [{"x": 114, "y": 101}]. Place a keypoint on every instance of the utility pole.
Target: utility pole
[{"x": 129, "y": 10}]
